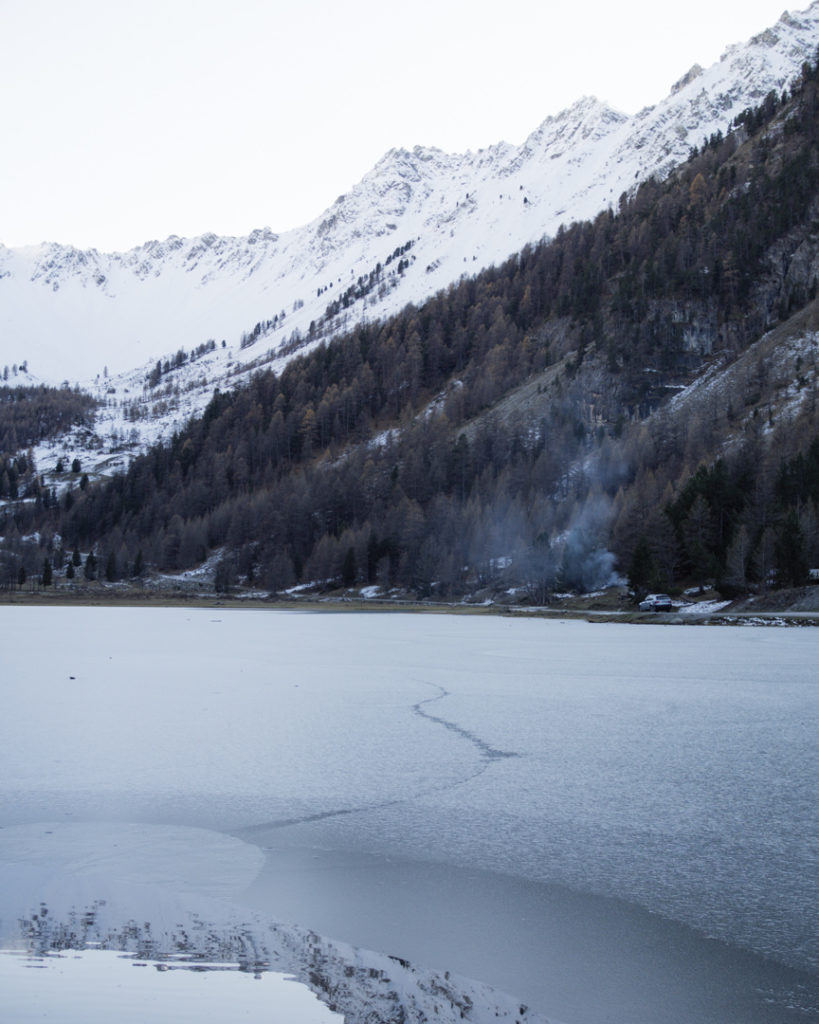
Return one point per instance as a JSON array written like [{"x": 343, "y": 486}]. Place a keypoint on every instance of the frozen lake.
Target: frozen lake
[{"x": 610, "y": 822}]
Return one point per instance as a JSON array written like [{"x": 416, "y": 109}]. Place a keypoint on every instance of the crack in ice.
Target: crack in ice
[{"x": 486, "y": 752}]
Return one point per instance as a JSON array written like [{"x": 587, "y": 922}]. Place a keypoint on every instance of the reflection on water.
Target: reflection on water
[
  {"x": 163, "y": 894},
  {"x": 99, "y": 986},
  {"x": 364, "y": 987},
  {"x": 586, "y": 959}
]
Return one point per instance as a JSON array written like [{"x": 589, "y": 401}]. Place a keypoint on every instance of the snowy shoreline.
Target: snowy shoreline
[{"x": 702, "y": 613}]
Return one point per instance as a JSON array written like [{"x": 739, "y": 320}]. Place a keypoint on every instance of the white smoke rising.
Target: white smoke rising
[{"x": 584, "y": 561}]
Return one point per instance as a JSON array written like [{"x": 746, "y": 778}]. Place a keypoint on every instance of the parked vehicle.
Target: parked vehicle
[{"x": 656, "y": 603}]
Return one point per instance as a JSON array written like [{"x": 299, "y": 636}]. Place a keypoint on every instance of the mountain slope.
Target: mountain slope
[
  {"x": 510, "y": 429},
  {"x": 70, "y": 314}
]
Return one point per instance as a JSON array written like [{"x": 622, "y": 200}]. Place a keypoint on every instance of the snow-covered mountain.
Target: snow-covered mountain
[{"x": 415, "y": 223}]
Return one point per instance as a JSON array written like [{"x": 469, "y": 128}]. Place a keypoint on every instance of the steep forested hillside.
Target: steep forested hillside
[
  {"x": 28, "y": 414},
  {"x": 521, "y": 429}
]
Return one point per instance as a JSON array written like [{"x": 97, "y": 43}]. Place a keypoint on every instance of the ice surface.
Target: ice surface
[{"x": 674, "y": 768}]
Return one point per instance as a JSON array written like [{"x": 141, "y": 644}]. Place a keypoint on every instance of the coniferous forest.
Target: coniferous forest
[{"x": 520, "y": 430}]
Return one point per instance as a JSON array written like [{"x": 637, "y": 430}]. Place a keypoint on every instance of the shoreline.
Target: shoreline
[{"x": 145, "y": 597}]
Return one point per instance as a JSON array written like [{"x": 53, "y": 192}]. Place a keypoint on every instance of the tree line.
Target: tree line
[{"x": 28, "y": 415}]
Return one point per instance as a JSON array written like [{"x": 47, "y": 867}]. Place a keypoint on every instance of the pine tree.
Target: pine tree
[
  {"x": 348, "y": 568},
  {"x": 90, "y": 566},
  {"x": 789, "y": 553},
  {"x": 642, "y": 567},
  {"x": 736, "y": 562}
]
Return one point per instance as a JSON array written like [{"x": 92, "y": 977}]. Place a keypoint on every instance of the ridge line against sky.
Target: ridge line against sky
[{"x": 132, "y": 121}]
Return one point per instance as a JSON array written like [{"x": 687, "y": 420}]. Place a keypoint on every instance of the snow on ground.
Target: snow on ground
[
  {"x": 201, "y": 576},
  {"x": 701, "y": 607}
]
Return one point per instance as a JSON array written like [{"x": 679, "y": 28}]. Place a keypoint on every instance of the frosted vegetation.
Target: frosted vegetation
[{"x": 571, "y": 808}]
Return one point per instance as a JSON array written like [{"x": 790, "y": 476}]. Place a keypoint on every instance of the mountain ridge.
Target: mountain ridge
[{"x": 59, "y": 305}]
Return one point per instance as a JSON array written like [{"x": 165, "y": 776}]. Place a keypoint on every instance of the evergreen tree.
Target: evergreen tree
[
  {"x": 698, "y": 531},
  {"x": 642, "y": 567},
  {"x": 91, "y": 566},
  {"x": 764, "y": 557},
  {"x": 47, "y": 574},
  {"x": 225, "y": 575},
  {"x": 348, "y": 568},
  {"x": 734, "y": 578},
  {"x": 789, "y": 553}
]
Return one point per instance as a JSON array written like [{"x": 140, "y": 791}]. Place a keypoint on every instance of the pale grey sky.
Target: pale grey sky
[{"x": 126, "y": 120}]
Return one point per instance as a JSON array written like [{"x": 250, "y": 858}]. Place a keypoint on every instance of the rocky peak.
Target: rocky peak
[{"x": 694, "y": 72}]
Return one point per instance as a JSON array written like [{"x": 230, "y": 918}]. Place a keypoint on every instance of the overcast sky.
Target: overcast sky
[{"x": 126, "y": 120}]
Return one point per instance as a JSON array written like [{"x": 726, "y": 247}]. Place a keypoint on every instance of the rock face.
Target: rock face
[{"x": 694, "y": 72}]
